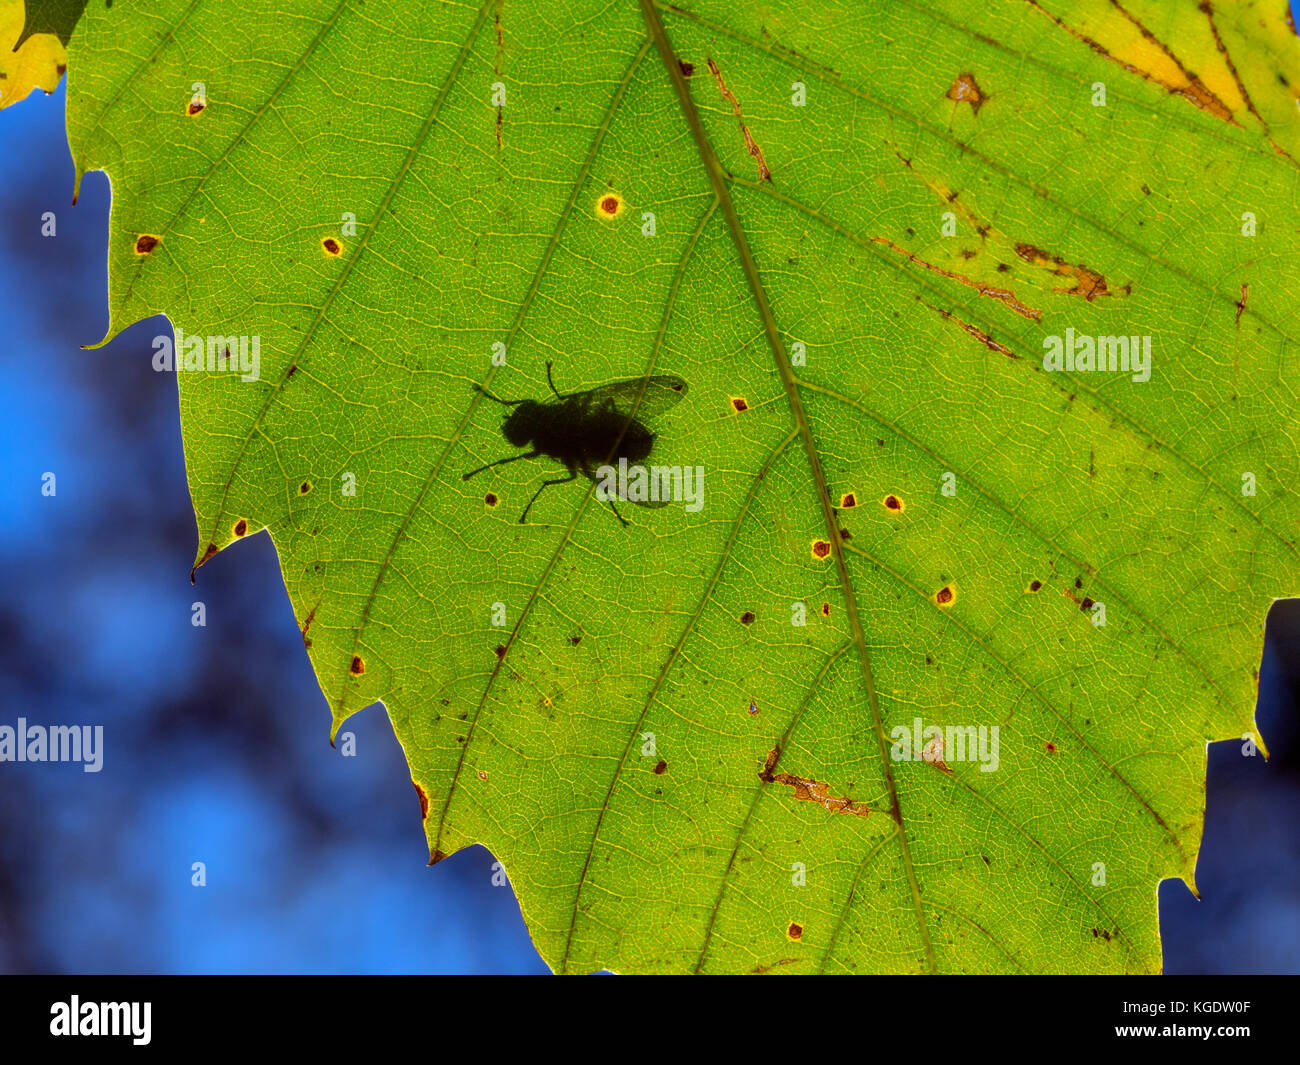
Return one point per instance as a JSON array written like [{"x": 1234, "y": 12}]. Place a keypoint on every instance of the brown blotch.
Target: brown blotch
[
  {"x": 194, "y": 108},
  {"x": 747, "y": 618},
  {"x": 490, "y": 500},
  {"x": 893, "y": 503},
  {"x": 944, "y": 596},
  {"x": 795, "y": 931},
  {"x": 436, "y": 856},
  {"x": 1241, "y": 303},
  {"x": 145, "y": 243},
  {"x": 358, "y": 667},
  {"x": 1087, "y": 283},
  {"x": 1002, "y": 295},
  {"x": 1051, "y": 747},
  {"x": 848, "y": 500},
  {"x": 739, "y": 403},
  {"x": 1035, "y": 585},
  {"x": 974, "y": 331},
  {"x": 304, "y": 488},
  {"x": 241, "y": 527},
  {"x": 306, "y": 643},
  {"x": 820, "y": 549},
  {"x": 965, "y": 90},
  {"x": 826, "y": 610},
  {"x": 806, "y": 790},
  {"x": 609, "y": 206},
  {"x": 1086, "y": 605},
  {"x": 575, "y": 640},
  {"x": 500, "y": 651},
  {"x": 331, "y": 246},
  {"x": 1078, "y": 582},
  {"x": 686, "y": 68},
  {"x": 661, "y": 769},
  {"x": 764, "y": 174},
  {"x": 424, "y": 801}
]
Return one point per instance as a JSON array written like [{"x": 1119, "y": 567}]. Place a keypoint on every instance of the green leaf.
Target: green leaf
[{"x": 676, "y": 773}]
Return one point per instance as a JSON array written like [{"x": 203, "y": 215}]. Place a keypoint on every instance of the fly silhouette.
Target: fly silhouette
[{"x": 586, "y": 430}]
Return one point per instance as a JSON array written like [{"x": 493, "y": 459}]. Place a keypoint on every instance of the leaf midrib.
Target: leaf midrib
[{"x": 718, "y": 181}]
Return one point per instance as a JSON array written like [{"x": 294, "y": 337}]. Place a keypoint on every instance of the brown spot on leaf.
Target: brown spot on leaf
[
  {"x": 490, "y": 499},
  {"x": 500, "y": 651},
  {"x": 747, "y": 618},
  {"x": 892, "y": 502},
  {"x": 212, "y": 550},
  {"x": 575, "y": 640},
  {"x": 944, "y": 596},
  {"x": 436, "y": 856},
  {"x": 195, "y": 106},
  {"x": 686, "y": 68},
  {"x": 1051, "y": 747},
  {"x": 1241, "y": 303},
  {"x": 1002, "y": 295},
  {"x": 610, "y": 205},
  {"x": 661, "y": 768},
  {"x": 424, "y": 802},
  {"x": 1035, "y": 585},
  {"x": 482, "y": 774},
  {"x": 331, "y": 246},
  {"x": 739, "y": 403},
  {"x": 965, "y": 90},
  {"x": 848, "y": 500},
  {"x": 307, "y": 625},
  {"x": 751, "y": 145},
  {"x": 1086, "y": 605},
  {"x": 826, "y": 610},
  {"x": 241, "y": 527},
  {"x": 806, "y": 790},
  {"x": 795, "y": 931},
  {"x": 146, "y": 242},
  {"x": 1087, "y": 283},
  {"x": 357, "y": 667},
  {"x": 820, "y": 549},
  {"x": 977, "y": 333}
]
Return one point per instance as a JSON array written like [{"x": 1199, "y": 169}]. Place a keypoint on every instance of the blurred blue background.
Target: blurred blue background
[{"x": 217, "y": 737}]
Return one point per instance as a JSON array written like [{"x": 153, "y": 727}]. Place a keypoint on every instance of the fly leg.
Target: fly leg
[
  {"x": 610, "y": 500},
  {"x": 501, "y": 462},
  {"x": 573, "y": 476}
]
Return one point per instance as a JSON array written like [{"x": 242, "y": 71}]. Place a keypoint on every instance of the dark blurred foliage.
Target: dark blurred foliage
[{"x": 217, "y": 738}]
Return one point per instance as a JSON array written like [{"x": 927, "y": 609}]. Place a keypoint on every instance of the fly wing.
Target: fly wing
[{"x": 658, "y": 395}]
